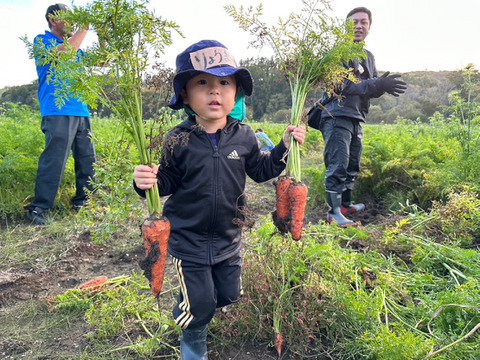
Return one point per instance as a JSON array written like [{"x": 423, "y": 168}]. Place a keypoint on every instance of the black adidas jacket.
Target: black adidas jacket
[{"x": 207, "y": 184}]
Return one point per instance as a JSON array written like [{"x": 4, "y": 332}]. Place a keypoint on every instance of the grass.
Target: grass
[
  {"x": 31, "y": 330},
  {"x": 315, "y": 288},
  {"x": 327, "y": 302},
  {"x": 362, "y": 292},
  {"x": 28, "y": 244}
]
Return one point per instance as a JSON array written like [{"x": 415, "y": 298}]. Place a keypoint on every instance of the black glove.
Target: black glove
[{"x": 390, "y": 84}]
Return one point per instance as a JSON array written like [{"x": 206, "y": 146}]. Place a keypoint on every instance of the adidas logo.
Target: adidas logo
[{"x": 233, "y": 155}]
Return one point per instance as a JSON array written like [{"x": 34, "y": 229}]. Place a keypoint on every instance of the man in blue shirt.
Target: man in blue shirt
[{"x": 65, "y": 128}]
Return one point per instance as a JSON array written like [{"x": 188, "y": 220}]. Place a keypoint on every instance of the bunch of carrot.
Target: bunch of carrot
[
  {"x": 129, "y": 34},
  {"x": 310, "y": 47},
  {"x": 309, "y": 61},
  {"x": 291, "y": 201}
]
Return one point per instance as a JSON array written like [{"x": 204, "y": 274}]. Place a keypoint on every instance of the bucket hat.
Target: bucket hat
[{"x": 210, "y": 57}]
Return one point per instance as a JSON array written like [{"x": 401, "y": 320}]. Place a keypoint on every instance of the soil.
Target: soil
[{"x": 28, "y": 283}]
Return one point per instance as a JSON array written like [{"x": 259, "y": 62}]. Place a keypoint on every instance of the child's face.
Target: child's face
[{"x": 211, "y": 97}]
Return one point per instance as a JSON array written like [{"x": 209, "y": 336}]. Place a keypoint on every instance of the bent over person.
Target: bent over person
[
  {"x": 66, "y": 128},
  {"x": 341, "y": 123}
]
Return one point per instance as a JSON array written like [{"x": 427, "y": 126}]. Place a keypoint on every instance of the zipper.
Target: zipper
[{"x": 216, "y": 157}]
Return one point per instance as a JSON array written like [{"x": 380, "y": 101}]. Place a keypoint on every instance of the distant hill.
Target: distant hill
[
  {"x": 427, "y": 92},
  {"x": 24, "y": 94}
]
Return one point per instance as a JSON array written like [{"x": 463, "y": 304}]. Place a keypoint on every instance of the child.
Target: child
[{"x": 204, "y": 164}]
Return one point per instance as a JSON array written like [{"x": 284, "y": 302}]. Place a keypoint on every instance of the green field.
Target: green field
[{"x": 403, "y": 283}]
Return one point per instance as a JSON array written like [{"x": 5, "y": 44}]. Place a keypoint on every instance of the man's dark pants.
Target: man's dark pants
[
  {"x": 342, "y": 152},
  {"x": 62, "y": 134}
]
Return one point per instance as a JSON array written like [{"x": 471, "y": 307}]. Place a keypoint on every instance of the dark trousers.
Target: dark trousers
[
  {"x": 342, "y": 152},
  {"x": 204, "y": 288},
  {"x": 62, "y": 134}
]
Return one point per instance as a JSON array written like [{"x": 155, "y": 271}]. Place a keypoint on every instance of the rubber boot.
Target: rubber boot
[
  {"x": 193, "y": 344},
  {"x": 347, "y": 206},
  {"x": 334, "y": 201}
]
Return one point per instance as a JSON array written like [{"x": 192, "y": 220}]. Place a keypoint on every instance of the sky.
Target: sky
[{"x": 405, "y": 35}]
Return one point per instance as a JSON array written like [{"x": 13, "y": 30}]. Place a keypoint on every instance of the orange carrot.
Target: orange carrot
[
  {"x": 155, "y": 238},
  {"x": 283, "y": 206},
  {"x": 93, "y": 283},
  {"x": 297, "y": 195},
  {"x": 281, "y": 216},
  {"x": 278, "y": 344}
]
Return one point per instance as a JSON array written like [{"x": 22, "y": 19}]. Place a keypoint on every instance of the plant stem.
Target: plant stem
[{"x": 455, "y": 342}]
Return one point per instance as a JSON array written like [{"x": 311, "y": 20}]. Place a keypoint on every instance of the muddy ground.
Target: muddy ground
[{"x": 27, "y": 287}]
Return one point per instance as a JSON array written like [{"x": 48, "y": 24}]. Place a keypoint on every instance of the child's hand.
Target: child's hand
[
  {"x": 298, "y": 133},
  {"x": 145, "y": 176}
]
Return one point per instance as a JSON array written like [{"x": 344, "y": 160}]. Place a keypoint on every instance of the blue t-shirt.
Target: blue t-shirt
[{"x": 46, "y": 90}]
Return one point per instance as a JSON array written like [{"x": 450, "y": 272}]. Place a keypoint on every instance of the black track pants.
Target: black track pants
[{"x": 204, "y": 288}]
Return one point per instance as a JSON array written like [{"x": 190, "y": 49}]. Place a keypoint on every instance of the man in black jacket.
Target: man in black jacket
[{"x": 340, "y": 123}]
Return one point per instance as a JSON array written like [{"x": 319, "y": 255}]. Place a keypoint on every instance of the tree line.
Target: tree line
[{"x": 427, "y": 92}]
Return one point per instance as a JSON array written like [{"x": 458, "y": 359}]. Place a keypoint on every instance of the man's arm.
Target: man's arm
[
  {"x": 364, "y": 87},
  {"x": 375, "y": 86},
  {"x": 76, "y": 39}
]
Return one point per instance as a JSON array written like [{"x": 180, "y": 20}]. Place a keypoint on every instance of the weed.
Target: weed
[{"x": 402, "y": 344}]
